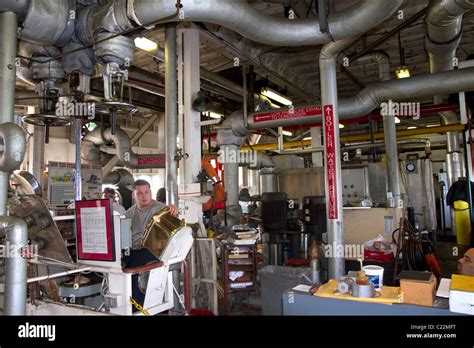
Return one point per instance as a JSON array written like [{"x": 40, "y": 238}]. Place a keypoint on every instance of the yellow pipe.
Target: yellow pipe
[{"x": 363, "y": 137}]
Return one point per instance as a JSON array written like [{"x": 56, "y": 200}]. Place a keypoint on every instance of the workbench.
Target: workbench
[{"x": 302, "y": 303}]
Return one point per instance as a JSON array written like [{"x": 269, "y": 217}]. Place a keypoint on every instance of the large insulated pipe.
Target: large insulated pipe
[
  {"x": 390, "y": 129},
  {"x": 8, "y": 41},
  {"x": 171, "y": 114},
  {"x": 13, "y": 140},
  {"x": 333, "y": 177},
  {"x": 241, "y": 17},
  {"x": 369, "y": 99},
  {"x": 16, "y": 232}
]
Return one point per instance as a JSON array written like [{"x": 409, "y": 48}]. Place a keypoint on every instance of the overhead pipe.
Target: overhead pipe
[
  {"x": 400, "y": 90},
  {"x": 241, "y": 17},
  {"x": 390, "y": 128},
  {"x": 15, "y": 231},
  {"x": 91, "y": 152},
  {"x": 171, "y": 117}
]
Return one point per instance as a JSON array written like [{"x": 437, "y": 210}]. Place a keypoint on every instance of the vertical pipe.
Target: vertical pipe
[
  {"x": 391, "y": 151},
  {"x": 316, "y": 142},
  {"x": 15, "y": 266},
  {"x": 231, "y": 175},
  {"x": 171, "y": 118},
  {"x": 38, "y": 154},
  {"x": 8, "y": 42},
  {"x": 333, "y": 186},
  {"x": 78, "y": 174}
]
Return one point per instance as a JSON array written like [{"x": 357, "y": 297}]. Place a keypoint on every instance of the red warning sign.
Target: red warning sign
[
  {"x": 152, "y": 161},
  {"x": 331, "y": 180},
  {"x": 288, "y": 114}
]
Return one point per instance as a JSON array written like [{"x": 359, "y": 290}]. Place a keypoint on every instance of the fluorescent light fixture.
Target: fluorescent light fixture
[
  {"x": 341, "y": 126},
  {"x": 397, "y": 120},
  {"x": 402, "y": 72},
  {"x": 412, "y": 127},
  {"x": 215, "y": 115},
  {"x": 275, "y": 106},
  {"x": 432, "y": 125},
  {"x": 308, "y": 138},
  {"x": 287, "y": 133},
  {"x": 146, "y": 44},
  {"x": 273, "y": 95}
]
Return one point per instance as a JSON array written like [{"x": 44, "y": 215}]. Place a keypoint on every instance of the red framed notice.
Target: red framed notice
[{"x": 95, "y": 230}]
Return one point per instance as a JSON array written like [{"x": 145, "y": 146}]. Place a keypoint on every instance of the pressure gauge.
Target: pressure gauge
[{"x": 410, "y": 167}]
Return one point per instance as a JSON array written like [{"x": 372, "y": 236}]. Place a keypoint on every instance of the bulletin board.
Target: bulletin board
[{"x": 95, "y": 230}]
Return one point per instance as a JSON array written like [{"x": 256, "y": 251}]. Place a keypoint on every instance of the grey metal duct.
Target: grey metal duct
[
  {"x": 91, "y": 152},
  {"x": 48, "y": 22},
  {"x": 390, "y": 129},
  {"x": 241, "y": 17},
  {"x": 119, "y": 177},
  {"x": 16, "y": 232}
]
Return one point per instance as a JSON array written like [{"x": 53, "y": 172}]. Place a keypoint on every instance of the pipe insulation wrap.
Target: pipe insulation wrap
[
  {"x": 13, "y": 139},
  {"x": 241, "y": 17}
]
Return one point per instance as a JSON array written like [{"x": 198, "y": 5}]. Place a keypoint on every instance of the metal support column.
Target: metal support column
[
  {"x": 78, "y": 174},
  {"x": 8, "y": 42}
]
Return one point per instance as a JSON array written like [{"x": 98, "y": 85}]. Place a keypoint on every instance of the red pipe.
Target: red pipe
[{"x": 424, "y": 111}]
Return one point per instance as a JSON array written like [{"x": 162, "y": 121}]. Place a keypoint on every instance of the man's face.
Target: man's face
[
  {"x": 142, "y": 195},
  {"x": 466, "y": 264},
  {"x": 107, "y": 195}
]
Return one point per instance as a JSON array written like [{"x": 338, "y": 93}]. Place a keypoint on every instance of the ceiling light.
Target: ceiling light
[
  {"x": 270, "y": 93},
  {"x": 287, "y": 133},
  {"x": 308, "y": 138},
  {"x": 214, "y": 115},
  {"x": 412, "y": 127},
  {"x": 397, "y": 120},
  {"x": 402, "y": 72},
  {"x": 432, "y": 125},
  {"x": 341, "y": 126},
  {"x": 146, "y": 44}
]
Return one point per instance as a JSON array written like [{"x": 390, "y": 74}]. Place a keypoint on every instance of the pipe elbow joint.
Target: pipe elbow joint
[{"x": 14, "y": 145}]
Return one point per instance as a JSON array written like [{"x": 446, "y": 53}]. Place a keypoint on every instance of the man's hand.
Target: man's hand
[{"x": 174, "y": 211}]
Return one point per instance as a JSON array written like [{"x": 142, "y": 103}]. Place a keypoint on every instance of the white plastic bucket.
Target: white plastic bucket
[{"x": 375, "y": 275}]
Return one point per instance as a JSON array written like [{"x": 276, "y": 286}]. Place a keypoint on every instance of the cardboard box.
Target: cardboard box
[
  {"x": 461, "y": 294},
  {"x": 418, "y": 288}
]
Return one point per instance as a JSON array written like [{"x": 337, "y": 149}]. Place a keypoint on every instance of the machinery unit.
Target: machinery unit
[{"x": 274, "y": 218}]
